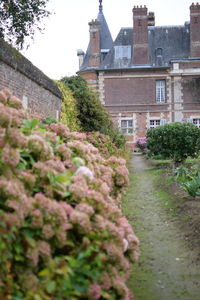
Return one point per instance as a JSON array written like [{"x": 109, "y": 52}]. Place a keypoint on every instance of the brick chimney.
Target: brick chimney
[
  {"x": 140, "y": 36},
  {"x": 94, "y": 45},
  {"x": 195, "y": 30}
]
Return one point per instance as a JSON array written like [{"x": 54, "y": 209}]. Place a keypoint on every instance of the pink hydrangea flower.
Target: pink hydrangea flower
[
  {"x": 85, "y": 171},
  {"x": 94, "y": 291}
]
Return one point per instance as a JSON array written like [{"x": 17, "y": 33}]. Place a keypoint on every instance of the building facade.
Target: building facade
[
  {"x": 39, "y": 94},
  {"x": 150, "y": 75}
]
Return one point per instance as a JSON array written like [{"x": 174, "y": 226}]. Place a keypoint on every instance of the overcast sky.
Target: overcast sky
[{"x": 66, "y": 30}]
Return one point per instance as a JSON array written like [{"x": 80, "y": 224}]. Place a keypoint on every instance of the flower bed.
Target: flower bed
[{"x": 62, "y": 233}]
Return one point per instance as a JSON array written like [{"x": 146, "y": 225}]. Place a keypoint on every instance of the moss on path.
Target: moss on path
[{"x": 166, "y": 269}]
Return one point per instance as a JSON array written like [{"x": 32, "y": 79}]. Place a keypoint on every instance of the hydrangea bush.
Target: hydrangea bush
[
  {"x": 141, "y": 143},
  {"x": 62, "y": 233}
]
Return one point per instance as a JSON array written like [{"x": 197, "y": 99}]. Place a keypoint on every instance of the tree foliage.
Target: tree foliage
[
  {"x": 69, "y": 108},
  {"x": 91, "y": 114},
  {"x": 176, "y": 141},
  {"x": 19, "y": 19}
]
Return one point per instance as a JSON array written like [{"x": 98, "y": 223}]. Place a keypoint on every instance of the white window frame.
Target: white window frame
[
  {"x": 161, "y": 91},
  {"x": 156, "y": 123},
  {"x": 196, "y": 121},
  {"x": 128, "y": 128}
]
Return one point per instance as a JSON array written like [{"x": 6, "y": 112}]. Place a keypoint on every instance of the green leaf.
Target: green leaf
[
  {"x": 62, "y": 178},
  {"x": 37, "y": 297},
  {"x": 31, "y": 241},
  {"x": 34, "y": 123},
  {"x": 19, "y": 258},
  {"x": 51, "y": 286},
  {"x": 44, "y": 273}
]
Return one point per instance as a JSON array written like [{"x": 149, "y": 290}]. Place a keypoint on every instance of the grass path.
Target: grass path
[{"x": 167, "y": 269}]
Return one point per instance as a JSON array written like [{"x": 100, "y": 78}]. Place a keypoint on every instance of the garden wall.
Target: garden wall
[{"x": 38, "y": 93}]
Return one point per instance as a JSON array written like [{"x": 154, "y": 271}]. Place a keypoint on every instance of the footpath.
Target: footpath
[{"x": 167, "y": 269}]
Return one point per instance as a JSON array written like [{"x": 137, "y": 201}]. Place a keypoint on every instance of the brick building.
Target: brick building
[
  {"x": 38, "y": 93},
  {"x": 150, "y": 75}
]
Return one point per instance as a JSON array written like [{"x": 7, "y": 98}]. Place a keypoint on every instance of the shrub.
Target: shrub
[
  {"x": 91, "y": 114},
  {"x": 176, "y": 141},
  {"x": 69, "y": 113},
  {"x": 62, "y": 233}
]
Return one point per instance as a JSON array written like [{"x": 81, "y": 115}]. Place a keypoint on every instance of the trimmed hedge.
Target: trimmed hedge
[{"x": 175, "y": 140}]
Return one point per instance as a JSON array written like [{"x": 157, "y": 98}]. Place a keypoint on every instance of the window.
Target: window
[
  {"x": 127, "y": 126},
  {"x": 122, "y": 51},
  {"x": 159, "y": 51},
  {"x": 154, "y": 123},
  {"x": 196, "y": 122},
  {"x": 160, "y": 91}
]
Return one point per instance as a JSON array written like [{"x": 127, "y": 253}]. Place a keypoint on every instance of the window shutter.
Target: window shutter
[
  {"x": 163, "y": 122},
  {"x": 189, "y": 120}
]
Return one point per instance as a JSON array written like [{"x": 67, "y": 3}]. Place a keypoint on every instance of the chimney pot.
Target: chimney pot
[
  {"x": 194, "y": 30},
  {"x": 140, "y": 36}
]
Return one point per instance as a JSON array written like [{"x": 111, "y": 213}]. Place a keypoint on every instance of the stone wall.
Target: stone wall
[
  {"x": 38, "y": 92},
  {"x": 35, "y": 97}
]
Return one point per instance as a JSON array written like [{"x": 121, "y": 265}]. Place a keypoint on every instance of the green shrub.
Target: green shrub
[
  {"x": 69, "y": 113},
  {"x": 91, "y": 114},
  {"x": 62, "y": 233},
  {"x": 176, "y": 141}
]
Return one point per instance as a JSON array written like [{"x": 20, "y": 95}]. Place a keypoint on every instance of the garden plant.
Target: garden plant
[
  {"x": 90, "y": 112},
  {"x": 62, "y": 232},
  {"x": 189, "y": 179},
  {"x": 141, "y": 143},
  {"x": 176, "y": 141}
]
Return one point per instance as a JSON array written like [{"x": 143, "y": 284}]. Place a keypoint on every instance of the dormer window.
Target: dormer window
[
  {"x": 159, "y": 52},
  {"x": 159, "y": 56}
]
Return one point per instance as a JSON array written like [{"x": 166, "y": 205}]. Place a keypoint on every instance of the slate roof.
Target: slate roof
[
  {"x": 166, "y": 43},
  {"x": 16, "y": 60},
  {"x": 106, "y": 41}
]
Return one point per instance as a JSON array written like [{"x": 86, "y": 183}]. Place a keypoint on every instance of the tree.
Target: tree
[
  {"x": 20, "y": 18},
  {"x": 176, "y": 141},
  {"x": 91, "y": 113}
]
